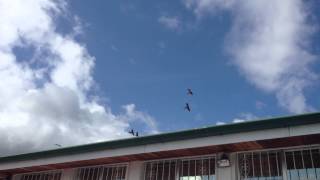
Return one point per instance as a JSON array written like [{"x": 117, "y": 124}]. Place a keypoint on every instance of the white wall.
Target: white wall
[{"x": 135, "y": 170}]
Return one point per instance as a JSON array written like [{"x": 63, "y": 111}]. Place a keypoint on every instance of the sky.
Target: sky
[{"x": 77, "y": 72}]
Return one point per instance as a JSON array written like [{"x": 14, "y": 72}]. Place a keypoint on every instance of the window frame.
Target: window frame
[{"x": 178, "y": 163}]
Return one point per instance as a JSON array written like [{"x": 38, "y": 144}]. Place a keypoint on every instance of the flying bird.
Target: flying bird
[
  {"x": 137, "y": 134},
  {"x": 187, "y": 107},
  {"x": 131, "y": 132},
  {"x": 190, "y": 92},
  {"x": 58, "y": 145}
]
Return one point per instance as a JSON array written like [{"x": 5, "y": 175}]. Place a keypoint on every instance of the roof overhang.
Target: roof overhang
[{"x": 295, "y": 135}]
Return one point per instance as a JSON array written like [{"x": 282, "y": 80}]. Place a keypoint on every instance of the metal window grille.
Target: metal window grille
[
  {"x": 303, "y": 164},
  {"x": 50, "y": 175},
  {"x": 202, "y": 168},
  {"x": 117, "y": 172},
  {"x": 260, "y": 165}
]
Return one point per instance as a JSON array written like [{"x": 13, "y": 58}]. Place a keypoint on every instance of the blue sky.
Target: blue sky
[
  {"x": 141, "y": 61},
  {"x": 88, "y": 71}
]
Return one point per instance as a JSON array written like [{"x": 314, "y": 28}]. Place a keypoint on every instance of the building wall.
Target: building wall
[{"x": 308, "y": 158}]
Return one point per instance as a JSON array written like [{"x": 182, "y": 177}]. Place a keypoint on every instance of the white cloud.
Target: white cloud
[
  {"x": 245, "y": 117},
  {"x": 219, "y": 123},
  {"x": 203, "y": 7},
  {"x": 172, "y": 23},
  {"x": 268, "y": 42},
  {"x": 50, "y": 104}
]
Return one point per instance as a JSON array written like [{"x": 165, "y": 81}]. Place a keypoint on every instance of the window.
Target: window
[
  {"x": 197, "y": 169},
  {"x": 183, "y": 169},
  {"x": 102, "y": 173},
  {"x": 260, "y": 166},
  {"x": 50, "y": 175},
  {"x": 303, "y": 164}
]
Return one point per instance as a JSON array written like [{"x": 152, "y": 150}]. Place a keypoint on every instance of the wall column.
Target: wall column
[
  {"x": 68, "y": 174},
  {"x": 135, "y": 170},
  {"x": 228, "y": 173}
]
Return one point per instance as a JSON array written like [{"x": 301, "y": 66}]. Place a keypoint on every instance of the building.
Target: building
[{"x": 285, "y": 148}]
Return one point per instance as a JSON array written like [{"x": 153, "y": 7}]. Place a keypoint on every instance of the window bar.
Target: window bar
[
  {"x": 169, "y": 170},
  {"x": 98, "y": 173},
  {"x": 202, "y": 169},
  {"x": 209, "y": 168},
  {"x": 252, "y": 163},
  {"x": 319, "y": 154},
  {"x": 151, "y": 164},
  {"x": 108, "y": 169},
  {"x": 83, "y": 173},
  {"x": 195, "y": 169},
  {"x": 89, "y": 173},
  {"x": 312, "y": 163},
  {"x": 163, "y": 169},
  {"x": 177, "y": 171},
  {"x": 244, "y": 166},
  {"x": 157, "y": 170},
  {"x": 303, "y": 165},
  {"x": 276, "y": 154},
  {"x": 121, "y": 175},
  {"x": 145, "y": 171},
  {"x": 41, "y": 175},
  {"x": 285, "y": 170},
  {"x": 269, "y": 164},
  {"x": 181, "y": 165},
  {"x": 101, "y": 172},
  {"x": 112, "y": 173},
  {"x": 188, "y": 169},
  {"x": 294, "y": 163},
  {"x": 93, "y": 173},
  {"x": 261, "y": 173},
  {"x": 86, "y": 174},
  {"x": 117, "y": 174}
]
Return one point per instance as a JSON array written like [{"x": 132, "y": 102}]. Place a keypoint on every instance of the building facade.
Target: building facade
[{"x": 284, "y": 148}]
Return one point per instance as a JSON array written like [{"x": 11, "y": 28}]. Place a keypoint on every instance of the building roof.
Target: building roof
[{"x": 256, "y": 125}]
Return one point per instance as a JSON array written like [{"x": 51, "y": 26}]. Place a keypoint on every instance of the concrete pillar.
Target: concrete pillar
[
  {"x": 228, "y": 173},
  {"x": 135, "y": 170},
  {"x": 68, "y": 174}
]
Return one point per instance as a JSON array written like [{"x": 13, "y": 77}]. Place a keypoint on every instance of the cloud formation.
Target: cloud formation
[
  {"x": 269, "y": 43},
  {"x": 47, "y": 99},
  {"x": 170, "y": 22}
]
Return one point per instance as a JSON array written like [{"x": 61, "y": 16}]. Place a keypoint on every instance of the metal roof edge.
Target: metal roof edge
[{"x": 262, "y": 124}]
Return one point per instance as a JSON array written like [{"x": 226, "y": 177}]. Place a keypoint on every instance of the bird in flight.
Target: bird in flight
[
  {"x": 137, "y": 134},
  {"x": 58, "y": 145},
  {"x": 189, "y": 92},
  {"x": 187, "y": 107},
  {"x": 131, "y": 132}
]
